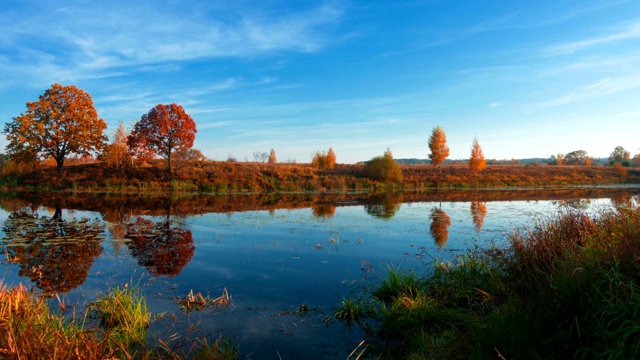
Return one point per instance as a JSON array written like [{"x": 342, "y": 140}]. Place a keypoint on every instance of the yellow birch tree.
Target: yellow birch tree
[
  {"x": 438, "y": 146},
  {"x": 272, "y": 157},
  {"x": 477, "y": 161}
]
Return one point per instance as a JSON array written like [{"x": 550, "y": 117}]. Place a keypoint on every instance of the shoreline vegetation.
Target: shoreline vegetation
[
  {"x": 224, "y": 178},
  {"x": 113, "y": 327},
  {"x": 565, "y": 288}
]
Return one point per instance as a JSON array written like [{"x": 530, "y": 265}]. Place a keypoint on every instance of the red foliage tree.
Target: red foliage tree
[{"x": 163, "y": 130}]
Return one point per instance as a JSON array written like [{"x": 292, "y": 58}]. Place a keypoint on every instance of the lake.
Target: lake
[{"x": 286, "y": 261}]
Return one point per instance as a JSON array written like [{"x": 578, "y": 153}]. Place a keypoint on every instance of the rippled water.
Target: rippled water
[{"x": 286, "y": 265}]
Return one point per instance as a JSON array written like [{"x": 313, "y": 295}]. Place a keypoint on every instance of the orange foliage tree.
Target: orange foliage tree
[
  {"x": 272, "y": 157},
  {"x": 438, "y": 146},
  {"x": 63, "y": 121},
  {"x": 324, "y": 159},
  {"x": 163, "y": 130},
  {"x": 477, "y": 161},
  {"x": 331, "y": 158}
]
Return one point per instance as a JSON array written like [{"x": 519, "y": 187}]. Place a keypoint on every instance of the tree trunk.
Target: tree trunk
[
  {"x": 59, "y": 163},
  {"x": 169, "y": 163}
]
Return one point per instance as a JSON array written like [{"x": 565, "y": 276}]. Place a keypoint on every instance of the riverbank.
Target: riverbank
[
  {"x": 567, "y": 287},
  {"x": 245, "y": 177}
]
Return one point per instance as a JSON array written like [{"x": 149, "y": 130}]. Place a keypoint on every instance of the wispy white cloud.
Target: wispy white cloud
[
  {"x": 215, "y": 124},
  {"x": 597, "y": 84},
  {"x": 83, "y": 39},
  {"x": 631, "y": 31},
  {"x": 599, "y": 89}
]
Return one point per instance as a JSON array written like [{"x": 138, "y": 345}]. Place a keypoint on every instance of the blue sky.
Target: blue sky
[{"x": 528, "y": 78}]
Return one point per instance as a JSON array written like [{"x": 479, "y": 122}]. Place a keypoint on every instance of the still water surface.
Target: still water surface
[{"x": 286, "y": 263}]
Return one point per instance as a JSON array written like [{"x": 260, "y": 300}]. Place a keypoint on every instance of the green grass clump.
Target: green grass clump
[
  {"x": 220, "y": 349},
  {"x": 568, "y": 287},
  {"x": 350, "y": 310},
  {"x": 123, "y": 314}
]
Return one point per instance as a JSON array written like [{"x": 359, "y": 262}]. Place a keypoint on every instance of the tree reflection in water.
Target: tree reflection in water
[
  {"x": 440, "y": 223},
  {"x": 623, "y": 200},
  {"x": 54, "y": 253},
  {"x": 116, "y": 219},
  {"x": 325, "y": 211},
  {"x": 162, "y": 247},
  {"x": 478, "y": 212},
  {"x": 384, "y": 207},
  {"x": 575, "y": 204}
]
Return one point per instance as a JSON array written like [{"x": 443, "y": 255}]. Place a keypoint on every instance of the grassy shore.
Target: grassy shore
[
  {"x": 245, "y": 177},
  {"x": 113, "y": 327},
  {"x": 565, "y": 288}
]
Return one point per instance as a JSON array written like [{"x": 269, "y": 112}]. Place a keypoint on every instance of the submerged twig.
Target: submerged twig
[{"x": 199, "y": 302}]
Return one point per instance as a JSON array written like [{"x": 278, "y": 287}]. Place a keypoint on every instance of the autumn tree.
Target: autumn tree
[
  {"x": 438, "y": 146},
  {"x": 559, "y": 160},
  {"x": 324, "y": 159},
  {"x": 477, "y": 161},
  {"x": 161, "y": 131},
  {"x": 272, "y": 157},
  {"x": 619, "y": 156},
  {"x": 62, "y": 122},
  {"x": 116, "y": 154},
  {"x": 331, "y": 158}
]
